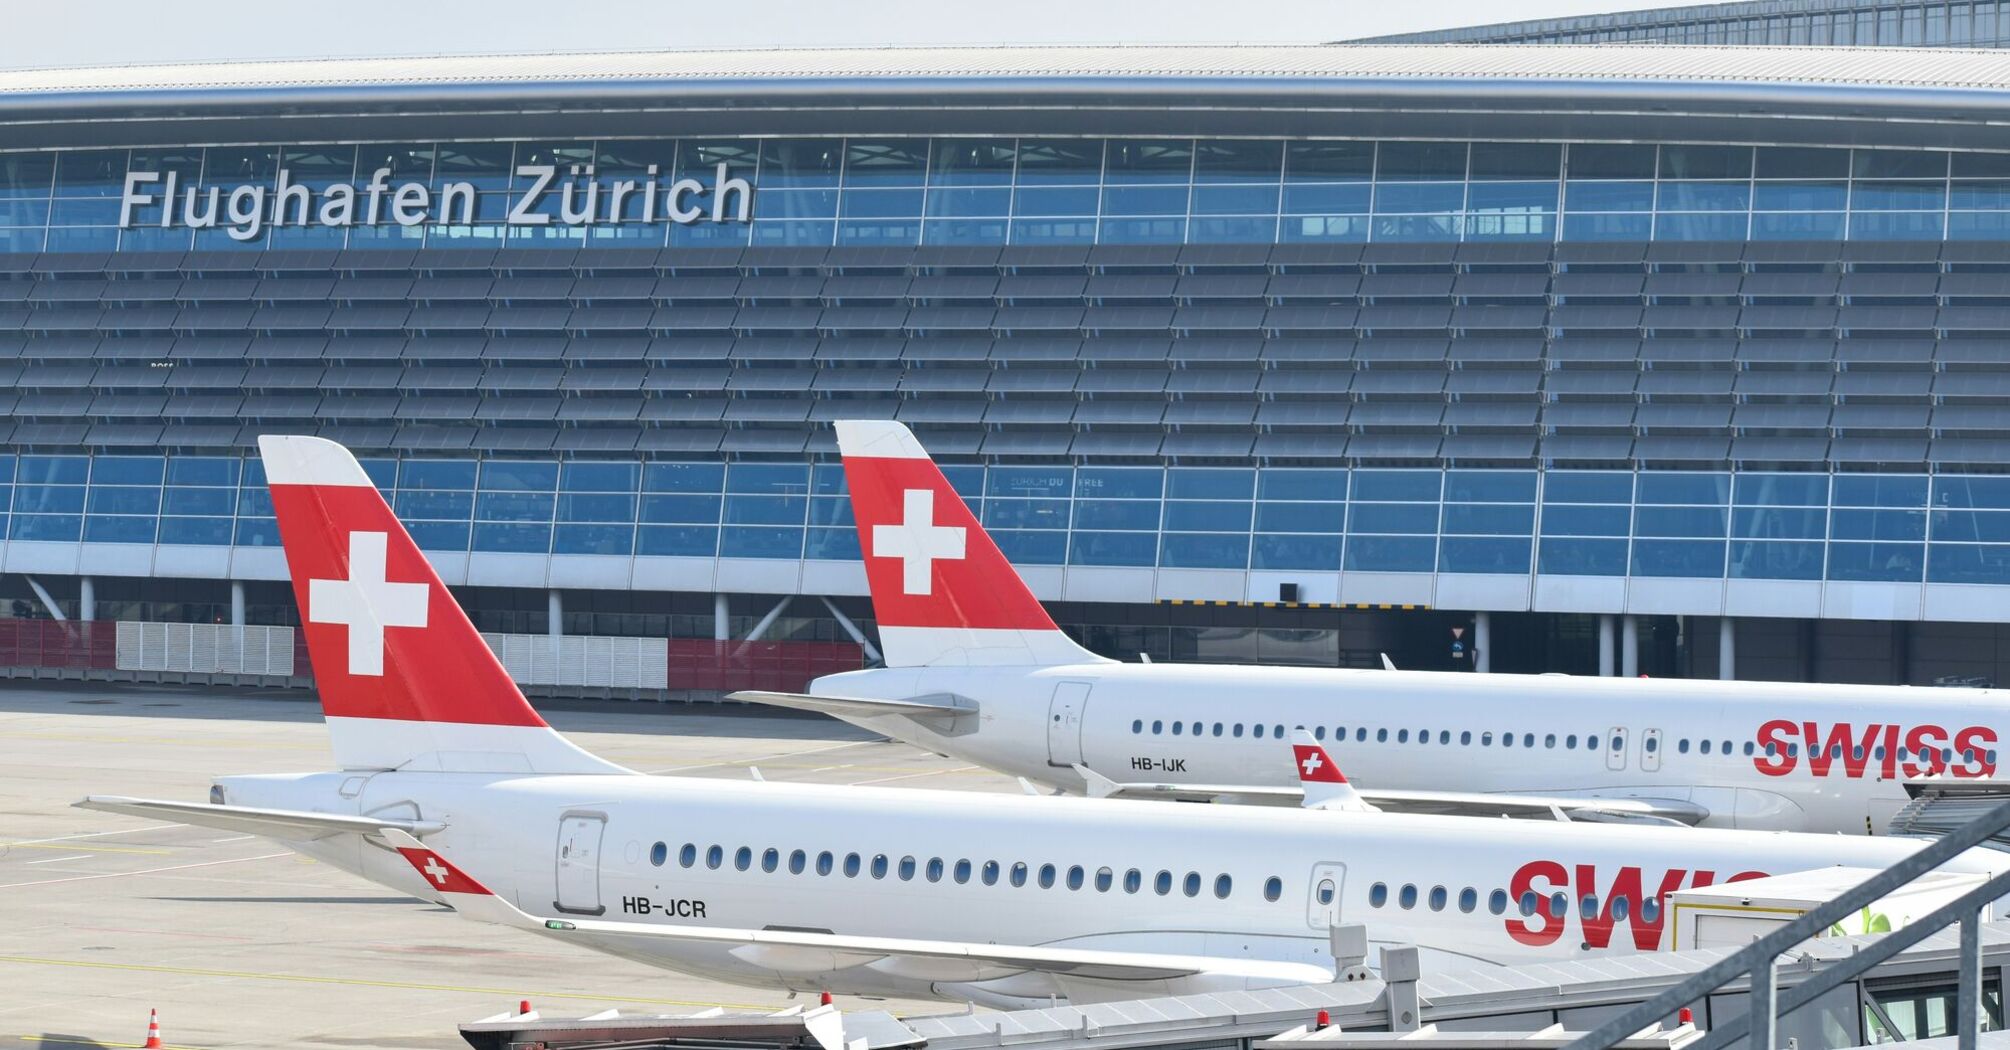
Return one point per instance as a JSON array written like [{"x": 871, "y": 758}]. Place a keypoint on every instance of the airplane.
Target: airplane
[
  {"x": 975, "y": 668},
  {"x": 1006, "y": 900}
]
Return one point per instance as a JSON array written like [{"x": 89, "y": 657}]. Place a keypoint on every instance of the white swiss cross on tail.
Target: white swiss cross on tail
[
  {"x": 917, "y": 541},
  {"x": 1324, "y": 785},
  {"x": 367, "y": 603},
  {"x": 1311, "y": 765}
]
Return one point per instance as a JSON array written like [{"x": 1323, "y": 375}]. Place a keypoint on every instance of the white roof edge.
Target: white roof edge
[{"x": 299, "y": 460}]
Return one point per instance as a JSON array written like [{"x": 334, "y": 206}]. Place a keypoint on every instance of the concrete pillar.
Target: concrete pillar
[
  {"x": 1605, "y": 645},
  {"x": 554, "y": 605},
  {"x": 1629, "y": 646},
  {"x": 1727, "y": 648},
  {"x": 722, "y": 624},
  {"x": 1483, "y": 642},
  {"x": 87, "y": 598},
  {"x": 237, "y": 603}
]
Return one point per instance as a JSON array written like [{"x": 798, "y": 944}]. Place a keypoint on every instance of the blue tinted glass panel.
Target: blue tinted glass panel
[
  {"x": 687, "y": 541},
  {"x": 1295, "y": 484},
  {"x": 1797, "y": 226},
  {"x": 1204, "y": 551},
  {"x": 1053, "y": 231},
  {"x": 99, "y": 529},
  {"x": 829, "y": 511},
  {"x": 439, "y": 535},
  {"x": 1235, "y": 200},
  {"x": 1406, "y": 485},
  {"x": 1117, "y": 514},
  {"x": 967, "y": 481},
  {"x": 1512, "y": 196},
  {"x": 1699, "y": 226},
  {"x": 257, "y": 532},
  {"x": 597, "y": 506},
  {"x": 48, "y": 499},
  {"x": 1877, "y": 524},
  {"x": 254, "y": 502},
  {"x": 1033, "y": 548},
  {"x": 1300, "y": 517},
  {"x": 1578, "y": 226},
  {"x": 1696, "y": 558},
  {"x": 1890, "y": 562},
  {"x": 969, "y": 201},
  {"x": 1582, "y": 557},
  {"x": 833, "y": 545},
  {"x": 1118, "y": 483},
  {"x": 1206, "y": 516},
  {"x": 1339, "y": 198},
  {"x": 1338, "y": 229},
  {"x": 1026, "y": 513},
  {"x": 766, "y": 510},
  {"x": 1707, "y": 489},
  {"x": 512, "y": 538},
  {"x": 1959, "y": 491},
  {"x": 1418, "y": 197},
  {"x": 1056, "y": 200},
  {"x": 1254, "y": 230},
  {"x": 512, "y": 506},
  {"x": 438, "y": 474},
  {"x": 766, "y": 478},
  {"x": 1880, "y": 490},
  {"x": 1483, "y": 555},
  {"x": 1587, "y": 487},
  {"x": 880, "y": 204},
  {"x": 598, "y": 477},
  {"x": 1782, "y": 490},
  {"x": 121, "y": 499},
  {"x": 1764, "y": 560},
  {"x": 1489, "y": 519},
  {"x": 1295, "y": 552},
  {"x": 214, "y": 532},
  {"x": 1871, "y": 195},
  {"x": 1490, "y": 486},
  {"x": 1203, "y": 483},
  {"x": 1973, "y": 526},
  {"x": 1028, "y": 481},
  {"x": 1114, "y": 548},
  {"x": 1967, "y": 563},
  {"x": 127, "y": 470},
  {"x": 694, "y": 509},
  {"x": 507, "y": 476},
  {"x": 1410, "y": 518},
  {"x": 683, "y": 477},
  {"x": 198, "y": 501},
  {"x": 1791, "y": 523},
  {"x": 1608, "y": 196},
  {"x": 54, "y": 470},
  {"x": 46, "y": 527},
  {"x": 1141, "y": 231},
  {"x": 1567, "y": 520},
  {"x": 1897, "y": 225},
  {"x": 1391, "y": 553},
  {"x": 1800, "y": 196},
  {"x": 741, "y": 541},
  {"x": 1679, "y": 521},
  {"x": 1145, "y": 200},
  {"x": 450, "y": 505},
  {"x": 594, "y": 539}
]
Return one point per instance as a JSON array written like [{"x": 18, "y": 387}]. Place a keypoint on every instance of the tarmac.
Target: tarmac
[{"x": 240, "y": 943}]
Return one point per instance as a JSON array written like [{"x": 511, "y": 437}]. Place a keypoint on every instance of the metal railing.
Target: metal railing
[{"x": 1757, "y": 959}]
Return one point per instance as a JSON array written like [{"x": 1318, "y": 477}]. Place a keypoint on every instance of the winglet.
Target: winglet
[{"x": 1325, "y": 786}]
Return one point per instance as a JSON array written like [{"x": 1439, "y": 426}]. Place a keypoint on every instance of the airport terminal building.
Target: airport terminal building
[{"x": 1615, "y": 357}]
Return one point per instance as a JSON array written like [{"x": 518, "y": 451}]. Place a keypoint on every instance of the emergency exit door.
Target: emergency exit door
[
  {"x": 579, "y": 837},
  {"x": 1064, "y": 723},
  {"x": 1322, "y": 904},
  {"x": 1615, "y": 749}
]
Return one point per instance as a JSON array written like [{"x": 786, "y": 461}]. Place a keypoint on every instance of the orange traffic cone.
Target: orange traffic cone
[{"x": 153, "y": 1031}]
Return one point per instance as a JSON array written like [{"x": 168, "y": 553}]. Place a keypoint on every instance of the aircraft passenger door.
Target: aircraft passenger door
[
  {"x": 579, "y": 863},
  {"x": 1615, "y": 749},
  {"x": 1064, "y": 723},
  {"x": 1322, "y": 902},
  {"x": 1650, "y": 750}
]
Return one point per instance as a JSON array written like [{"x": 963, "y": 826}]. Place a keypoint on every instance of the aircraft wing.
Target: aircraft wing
[
  {"x": 810, "y": 953},
  {"x": 858, "y": 706},
  {"x": 1447, "y": 803},
  {"x": 295, "y": 825}
]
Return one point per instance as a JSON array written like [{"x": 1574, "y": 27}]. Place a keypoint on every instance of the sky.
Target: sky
[{"x": 119, "y": 32}]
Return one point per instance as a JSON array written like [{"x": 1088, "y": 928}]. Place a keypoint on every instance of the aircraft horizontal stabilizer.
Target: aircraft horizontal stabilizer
[
  {"x": 857, "y": 707},
  {"x": 288, "y": 824},
  {"x": 806, "y": 954}
]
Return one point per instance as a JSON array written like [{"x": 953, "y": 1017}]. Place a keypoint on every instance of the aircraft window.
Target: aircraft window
[
  {"x": 961, "y": 872},
  {"x": 797, "y": 859},
  {"x": 824, "y": 863},
  {"x": 1402, "y": 736},
  {"x": 935, "y": 869},
  {"x": 1878, "y": 753},
  {"x": 1277, "y": 731},
  {"x": 907, "y": 869},
  {"x": 1444, "y": 736},
  {"x": 1549, "y": 741},
  {"x": 1438, "y": 898},
  {"x": 1559, "y": 905},
  {"x": 1507, "y": 739},
  {"x": 771, "y": 858},
  {"x": 1324, "y": 893},
  {"x": 1967, "y": 754},
  {"x": 1469, "y": 899},
  {"x": 1748, "y": 749},
  {"x": 1528, "y": 740},
  {"x": 1105, "y": 878},
  {"x": 1319, "y": 733},
  {"x": 1529, "y": 901},
  {"x": 1075, "y": 875},
  {"x": 1191, "y": 884},
  {"x": 715, "y": 856},
  {"x": 1360, "y": 734},
  {"x": 1407, "y": 896},
  {"x": 1162, "y": 883},
  {"x": 1134, "y": 880},
  {"x": 1339, "y": 733},
  {"x": 743, "y": 858},
  {"x": 1570, "y": 741},
  {"x": 1273, "y": 888},
  {"x": 1947, "y": 755},
  {"x": 1046, "y": 876},
  {"x": 1587, "y": 906},
  {"x": 658, "y": 854},
  {"x": 1650, "y": 910},
  {"x": 1235, "y": 730},
  {"x": 1497, "y": 901},
  {"x": 1217, "y": 729},
  {"x": 1591, "y": 743},
  {"x": 1157, "y": 728},
  {"x": 687, "y": 855},
  {"x": 1222, "y": 885},
  {"x": 1176, "y": 726},
  {"x": 1857, "y": 752},
  {"x": 1703, "y": 746},
  {"x": 1727, "y": 747},
  {"x": 1793, "y": 750},
  {"x": 1137, "y": 725},
  {"x": 1486, "y": 740},
  {"x": 1378, "y": 895},
  {"x": 1620, "y": 906},
  {"x": 1019, "y": 873},
  {"x": 1381, "y": 736},
  {"x": 1256, "y": 731},
  {"x": 1618, "y": 743},
  {"x": 1465, "y": 738},
  {"x": 990, "y": 873},
  {"x": 1653, "y": 744},
  {"x": 879, "y": 865},
  {"x": 851, "y": 865}
]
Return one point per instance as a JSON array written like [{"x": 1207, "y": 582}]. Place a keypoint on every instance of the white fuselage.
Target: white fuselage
[
  {"x": 1255, "y": 882},
  {"x": 1701, "y": 742}
]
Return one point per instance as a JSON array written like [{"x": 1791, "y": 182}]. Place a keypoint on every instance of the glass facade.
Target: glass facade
[
  {"x": 990, "y": 192},
  {"x": 1821, "y": 23},
  {"x": 1899, "y": 528}
]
